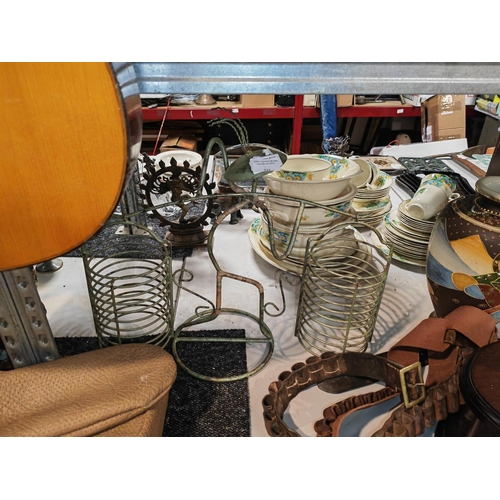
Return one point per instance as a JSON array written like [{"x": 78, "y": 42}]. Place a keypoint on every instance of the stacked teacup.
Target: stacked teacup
[
  {"x": 372, "y": 201},
  {"x": 322, "y": 179},
  {"x": 408, "y": 228},
  {"x": 434, "y": 193}
]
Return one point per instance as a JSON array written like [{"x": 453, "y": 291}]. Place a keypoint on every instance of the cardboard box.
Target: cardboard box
[
  {"x": 309, "y": 100},
  {"x": 345, "y": 100},
  {"x": 443, "y": 118},
  {"x": 182, "y": 140},
  {"x": 256, "y": 100},
  {"x": 416, "y": 99}
]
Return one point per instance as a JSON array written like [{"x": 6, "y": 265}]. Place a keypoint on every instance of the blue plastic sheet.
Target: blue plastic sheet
[{"x": 328, "y": 108}]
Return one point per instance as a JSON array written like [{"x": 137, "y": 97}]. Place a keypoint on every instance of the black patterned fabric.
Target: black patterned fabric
[
  {"x": 424, "y": 165},
  {"x": 153, "y": 224}
]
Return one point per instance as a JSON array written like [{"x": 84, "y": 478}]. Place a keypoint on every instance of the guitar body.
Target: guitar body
[{"x": 70, "y": 135}]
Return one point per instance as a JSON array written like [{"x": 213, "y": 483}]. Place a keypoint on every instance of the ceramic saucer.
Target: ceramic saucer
[
  {"x": 397, "y": 256},
  {"x": 265, "y": 254}
]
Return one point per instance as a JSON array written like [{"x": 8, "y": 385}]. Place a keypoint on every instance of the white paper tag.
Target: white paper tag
[
  {"x": 428, "y": 133},
  {"x": 267, "y": 163}
]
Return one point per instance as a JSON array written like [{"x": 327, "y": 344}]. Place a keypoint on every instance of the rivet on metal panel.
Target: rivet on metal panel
[
  {"x": 30, "y": 303},
  {"x": 22, "y": 283}
]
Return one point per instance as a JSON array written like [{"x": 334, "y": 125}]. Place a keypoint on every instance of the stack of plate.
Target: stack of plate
[
  {"x": 422, "y": 226},
  {"x": 372, "y": 202},
  {"x": 259, "y": 239},
  {"x": 408, "y": 236},
  {"x": 257, "y": 235}
]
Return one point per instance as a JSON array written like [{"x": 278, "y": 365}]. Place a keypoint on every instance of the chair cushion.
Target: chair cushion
[{"x": 88, "y": 394}]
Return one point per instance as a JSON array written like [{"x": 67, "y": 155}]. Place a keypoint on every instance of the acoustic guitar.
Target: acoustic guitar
[{"x": 70, "y": 135}]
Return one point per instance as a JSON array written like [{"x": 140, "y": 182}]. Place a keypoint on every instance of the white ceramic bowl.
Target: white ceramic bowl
[
  {"x": 341, "y": 168},
  {"x": 180, "y": 155},
  {"x": 312, "y": 190},
  {"x": 365, "y": 175},
  {"x": 282, "y": 236},
  {"x": 304, "y": 168},
  {"x": 285, "y": 211},
  {"x": 380, "y": 182}
]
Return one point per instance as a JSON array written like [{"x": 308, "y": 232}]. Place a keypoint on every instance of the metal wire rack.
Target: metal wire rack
[
  {"x": 131, "y": 294},
  {"x": 132, "y": 297},
  {"x": 342, "y": 285}
]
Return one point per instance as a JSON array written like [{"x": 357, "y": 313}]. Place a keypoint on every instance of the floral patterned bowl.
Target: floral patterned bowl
[
  {"x": 282, "y": 235},
  {"x": 342, "y": 171},
  {"x": 304, "y": 168},
  {"x": 340, "y": 167},
  {"x": 335, "y": 210}
]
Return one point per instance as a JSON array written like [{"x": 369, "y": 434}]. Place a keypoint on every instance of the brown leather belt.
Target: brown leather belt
[{"x": 441, "y": 343}]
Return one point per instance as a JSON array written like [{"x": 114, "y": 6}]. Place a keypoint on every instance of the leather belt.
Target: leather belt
[{"x": 441, "y": 343}]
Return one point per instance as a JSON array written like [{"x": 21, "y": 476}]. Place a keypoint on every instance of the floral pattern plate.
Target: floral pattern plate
[{"x": 371, "y": 205}]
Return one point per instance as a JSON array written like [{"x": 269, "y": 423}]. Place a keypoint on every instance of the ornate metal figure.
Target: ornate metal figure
[{"x": 178, "y": 184}]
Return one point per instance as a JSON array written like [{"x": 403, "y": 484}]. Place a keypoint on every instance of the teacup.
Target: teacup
[
  {"x": 428, "y": 201},
  {"x": 304, "y": 168},
  {"x": 375, "y": 178},
  {"x": 365, "y": 175},
  {"x": 442, "y": 181}
]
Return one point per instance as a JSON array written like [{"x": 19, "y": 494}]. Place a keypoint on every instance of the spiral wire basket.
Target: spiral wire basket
[
  {"x": 343, "y": 280},
  {"x": 129, "y": 278}
]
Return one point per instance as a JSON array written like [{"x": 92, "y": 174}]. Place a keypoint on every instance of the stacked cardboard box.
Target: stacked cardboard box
[
  {"x": 256, "y": 100},
  {"x": 443, "y": 118},
  {"x": 345, "y": 100}
]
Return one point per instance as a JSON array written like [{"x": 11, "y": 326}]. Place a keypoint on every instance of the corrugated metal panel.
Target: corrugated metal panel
[{"x": 318, "y": 78}]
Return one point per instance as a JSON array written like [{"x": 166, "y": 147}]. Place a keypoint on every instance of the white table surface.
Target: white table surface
[{"x": 405, "y": 303}]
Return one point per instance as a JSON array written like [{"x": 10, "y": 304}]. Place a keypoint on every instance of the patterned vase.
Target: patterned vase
[{"x": 463, "y": 259}]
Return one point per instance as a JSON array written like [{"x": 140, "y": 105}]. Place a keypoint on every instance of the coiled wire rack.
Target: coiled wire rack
[
  {"x": 340, "y": 293},
  {"x": 129, "y": 278}
]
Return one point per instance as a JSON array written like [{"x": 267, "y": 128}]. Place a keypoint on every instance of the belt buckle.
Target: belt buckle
[{"x": 404, "y": 386}]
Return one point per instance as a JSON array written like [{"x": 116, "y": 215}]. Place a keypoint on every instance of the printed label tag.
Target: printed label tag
[{"x": 267, "y": 163}]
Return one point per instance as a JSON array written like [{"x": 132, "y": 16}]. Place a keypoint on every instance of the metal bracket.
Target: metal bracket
[{"x": 24, "y": 329}]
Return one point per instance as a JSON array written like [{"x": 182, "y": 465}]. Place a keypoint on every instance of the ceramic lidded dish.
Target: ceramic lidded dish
[
  {"x": 463, "y": 259},
  {"x": 304, "y": 168}
]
